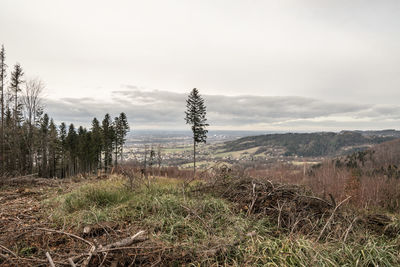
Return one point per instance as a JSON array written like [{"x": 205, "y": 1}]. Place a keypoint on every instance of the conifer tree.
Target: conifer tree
[
  {"x": 196, "y": 117},
  {"x": 44, "y": 130},
  {"x": 15, "y": 85},
  {"x": 53, "y": 149},
  {"x": 108, "y": 138},
  {"x": 122, "y": 131},
  {"x": 121, "y": 128},
  {"x": 96, "y": 141},
  {"x": 115, "y": 140},
  {"x": 71, "y": 146},
  {"x": 63, "y": 147}
]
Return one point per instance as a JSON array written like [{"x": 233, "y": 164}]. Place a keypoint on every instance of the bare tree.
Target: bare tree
[
  {"x": 32, "y": 99},
  {"x": 33, "y": 107}
]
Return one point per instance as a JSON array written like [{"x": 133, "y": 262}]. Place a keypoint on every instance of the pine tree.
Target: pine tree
[
  {"x": 196, "y": 117},
  {"x": 115, "y": 126},
  {"x": 121, "y": 132},
  {"x": 72, "y": 139},
  {"x": 83, "y": 150},
  {"x": 96, "y": 141},
  {"x": 54, "y": 146},
  {"x": 63, "y": 147},
  {"x": 121, "y": 128},
  {"x": 108, "y": 138},
  {"x": 15, "y": 85},
  {"x": 10, "y": 157},
  {"x": 44, "y": 131}
]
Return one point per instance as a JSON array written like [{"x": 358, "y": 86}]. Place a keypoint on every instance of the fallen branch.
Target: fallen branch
[
  {"x": 50, "y": 259},
  {"x": 113, "y": 246},
  {"x": 71, "y": 262},
  {"x": 331, "y": 217},
  {"x": 320, "y": 199},
  {"x": 125, "y": 242},
  {"x": 91, "y": 252},
  {"x": 349, "y": 229},
  {"x": 68, "y": 234},
  {"x": 9, "y": 251}
]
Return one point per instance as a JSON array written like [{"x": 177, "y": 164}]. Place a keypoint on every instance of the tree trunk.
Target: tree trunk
[
  {"x": 116, "y": 154},
  {"x": 194, "y": 158},
  {"x": 2, "y": 123}
]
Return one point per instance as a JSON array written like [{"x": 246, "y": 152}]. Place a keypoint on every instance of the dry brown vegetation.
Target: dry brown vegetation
[{"x": 371, "y": 178}]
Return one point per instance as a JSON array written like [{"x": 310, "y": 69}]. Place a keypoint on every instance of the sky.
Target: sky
[{"x": 287, "y": 65}]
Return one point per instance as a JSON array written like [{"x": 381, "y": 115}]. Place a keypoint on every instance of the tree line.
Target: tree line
[{"x": 31, "y": 142}]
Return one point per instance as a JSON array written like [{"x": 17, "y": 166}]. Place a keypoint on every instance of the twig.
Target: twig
[
  {"x": 195, "y": 214},
  {"x": 69, "y": 234},
  {"x": 331, "y": 217},
  {"x": 104, "y": 259},
  {"x": 87, "y": 260},
  {"x": 349, "y": 229},
  {"x": 280, "y": 208},
  {"x": 253, "y": 200},
  {"x": 71, "y": 262},
  {"x": 50, "y": 259},
  {"x": 9, "y": 251},
  {"x": 124, "y": 242},
  {"x": 319, "y": 199},
  {"x": 39, "y": 260}
]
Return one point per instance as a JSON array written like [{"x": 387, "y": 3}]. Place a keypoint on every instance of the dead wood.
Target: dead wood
[
  {"x": 331, "y": 217},
  {"x": 51, "y": 262},
  {"x": 68, "y": 234},
  {"x": 126, "y": 241}
]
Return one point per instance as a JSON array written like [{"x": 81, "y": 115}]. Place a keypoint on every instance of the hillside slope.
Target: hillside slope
[
  {"x": 381, "y": 159},
  {"x": 309, "y": 144}
]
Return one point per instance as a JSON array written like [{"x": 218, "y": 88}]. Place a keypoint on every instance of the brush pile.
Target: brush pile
[{"x": 293, "y": 207}]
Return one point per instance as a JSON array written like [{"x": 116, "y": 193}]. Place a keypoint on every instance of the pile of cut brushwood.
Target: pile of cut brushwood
[{"x": 296, "y": 210}]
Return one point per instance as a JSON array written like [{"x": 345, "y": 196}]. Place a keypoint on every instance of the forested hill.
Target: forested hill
[{"x": 310, "y": 144}]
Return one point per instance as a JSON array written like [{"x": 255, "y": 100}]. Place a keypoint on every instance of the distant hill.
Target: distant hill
[
  {"x": 380, "y": 159},
  {"x": 318, "y": 144}
]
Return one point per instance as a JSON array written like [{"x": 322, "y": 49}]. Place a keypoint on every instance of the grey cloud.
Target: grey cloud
[{"x": 165, "y": 110}]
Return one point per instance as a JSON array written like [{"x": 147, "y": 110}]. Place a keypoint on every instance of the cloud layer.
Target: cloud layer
[{"x": 155, "y": 109}]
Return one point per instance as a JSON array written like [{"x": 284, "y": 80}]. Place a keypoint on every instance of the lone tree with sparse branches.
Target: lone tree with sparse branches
[{"x": 196, "y": 117}]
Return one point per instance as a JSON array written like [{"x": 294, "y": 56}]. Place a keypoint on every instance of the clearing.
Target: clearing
[{"x": 225, "y": 221}]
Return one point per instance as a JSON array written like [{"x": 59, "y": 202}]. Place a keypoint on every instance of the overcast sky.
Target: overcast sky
[{"x": 292, "y": 65}]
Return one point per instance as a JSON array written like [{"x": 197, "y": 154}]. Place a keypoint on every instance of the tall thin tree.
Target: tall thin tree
[
  {"x": 3, "y": 67},
  {"x": 97, "y": 142},
  {"x": 32, "y": 106},
  {"x": 108, "y": 138},
  {"x": 15, "y": 85},
  {"x": 196, "y": 117},
  {"x": 121, "y": 130}
]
